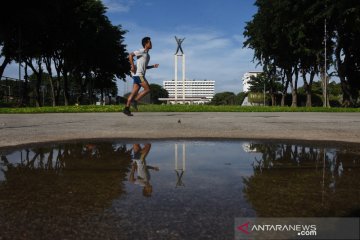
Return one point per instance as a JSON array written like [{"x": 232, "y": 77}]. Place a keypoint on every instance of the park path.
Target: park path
[{"x": 19, "y": 129}]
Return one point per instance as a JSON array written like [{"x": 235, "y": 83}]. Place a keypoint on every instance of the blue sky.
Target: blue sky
[
  {"x": 213, "y": 32},
  {"x": 214, "y": 38}
]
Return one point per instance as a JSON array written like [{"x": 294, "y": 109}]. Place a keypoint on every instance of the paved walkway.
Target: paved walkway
[{"x": 18, "y": 129}]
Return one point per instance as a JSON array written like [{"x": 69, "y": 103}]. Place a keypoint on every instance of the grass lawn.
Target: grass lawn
[{"x": 171, "y": 108}]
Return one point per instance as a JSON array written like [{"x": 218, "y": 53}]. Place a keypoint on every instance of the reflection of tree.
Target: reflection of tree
[
  {"x": 294, "y": 181},
  {"x": 61, "y": 185}
]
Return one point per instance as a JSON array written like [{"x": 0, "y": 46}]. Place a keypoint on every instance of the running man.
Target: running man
[{"x": 138, "y": 74}]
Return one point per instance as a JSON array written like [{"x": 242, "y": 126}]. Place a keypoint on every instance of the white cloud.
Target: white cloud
[
  {"x": 209, "y": 55},
  {"x": 118, "y": 5}
]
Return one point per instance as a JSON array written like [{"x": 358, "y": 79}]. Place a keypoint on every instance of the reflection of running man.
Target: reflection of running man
[{"x": 139, "y": 166}]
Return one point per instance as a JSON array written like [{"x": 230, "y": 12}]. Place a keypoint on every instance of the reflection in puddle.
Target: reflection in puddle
[{"x": 169, "y": 190}]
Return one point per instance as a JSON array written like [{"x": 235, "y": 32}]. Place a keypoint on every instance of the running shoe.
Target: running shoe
[{"x": 127, "y": 112}]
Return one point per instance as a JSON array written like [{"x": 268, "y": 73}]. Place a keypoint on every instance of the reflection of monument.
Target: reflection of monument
[
  {"x": 180, "y": 170},
  {"x": 182, "y": 55}
]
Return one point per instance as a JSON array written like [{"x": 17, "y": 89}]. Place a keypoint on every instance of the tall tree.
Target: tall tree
[
  {"x": 291, "y": 35},
  {"x": 344, "y": 18},
  {"x": 156, "y": 92},
  {"x": 73, "y": 37}
]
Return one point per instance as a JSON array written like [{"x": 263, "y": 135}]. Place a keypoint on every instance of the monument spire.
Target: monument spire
[{"x": 182, "y": 55}]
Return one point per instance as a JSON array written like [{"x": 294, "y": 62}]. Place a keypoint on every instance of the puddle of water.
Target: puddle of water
[{"x": 169, "y": 189}]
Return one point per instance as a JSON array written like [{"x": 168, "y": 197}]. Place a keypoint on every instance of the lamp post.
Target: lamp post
[
  {"x": 264, "y": 94},
  {"x": 326, "y": 101},
  {"x": 325, "y": 77}
]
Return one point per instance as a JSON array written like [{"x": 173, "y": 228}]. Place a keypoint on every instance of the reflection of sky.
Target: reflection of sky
[
  {"x": 215, "y": 168},
  {"x": 220, "y": 183},
  {"x": 211, "y": 162},
  {"x": 208, "y": 163}
]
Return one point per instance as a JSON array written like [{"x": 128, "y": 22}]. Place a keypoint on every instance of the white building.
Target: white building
[
  {"x": 193, "y": 91},
  {"x": 246, "y": 86},
  {"x": 246, "y": 79}
]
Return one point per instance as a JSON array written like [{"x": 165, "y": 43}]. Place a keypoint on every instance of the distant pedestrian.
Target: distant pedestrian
[{"x": 138, "y": 74}]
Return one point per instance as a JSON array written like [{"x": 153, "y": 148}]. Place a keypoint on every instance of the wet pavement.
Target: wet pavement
[{"x": 119, "y": 189}]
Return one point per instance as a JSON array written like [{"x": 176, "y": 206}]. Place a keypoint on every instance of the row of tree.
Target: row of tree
[
  {"x": 256, "y": 95},
  {"x": 228, "y": 98},
  {"x": 289, "y": 39},
  {"x": 69, "y": 41}
]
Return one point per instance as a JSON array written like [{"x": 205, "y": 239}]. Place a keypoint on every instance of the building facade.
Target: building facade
[
  {"x": 192, "y": 92},
  {"x": 246, "y": 79}
]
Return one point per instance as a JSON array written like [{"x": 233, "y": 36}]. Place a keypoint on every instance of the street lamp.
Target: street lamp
[
  {"x": 264, "y": 94},
  {"x": 325, "y": 67}
]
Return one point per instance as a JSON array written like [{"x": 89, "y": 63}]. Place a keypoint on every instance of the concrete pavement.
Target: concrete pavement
[{"x": 18, "y": 129}]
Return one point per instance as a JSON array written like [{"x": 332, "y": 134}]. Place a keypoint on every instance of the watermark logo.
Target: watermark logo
[
  {"x": 295, "y": 228},
  {"x": 301, "y": 230},
  {"x": 244, "y": 228}
]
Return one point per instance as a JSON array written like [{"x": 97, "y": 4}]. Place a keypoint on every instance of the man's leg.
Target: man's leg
[
  {"x": 144, "y": 92},
  {"x": 134, "y": 91}
]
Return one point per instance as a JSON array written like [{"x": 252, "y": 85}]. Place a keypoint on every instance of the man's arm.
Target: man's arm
[
  {"x": 152, "y": 66},
  {"x": 152, "y": 168},
  {"x": 131, "y": 60}
]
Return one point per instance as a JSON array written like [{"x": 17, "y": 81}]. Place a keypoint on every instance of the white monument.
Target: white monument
[{"x": 182, "y": 56}]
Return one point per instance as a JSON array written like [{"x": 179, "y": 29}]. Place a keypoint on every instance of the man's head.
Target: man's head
[
  {"x": 146, "y": 42},
  {"x": 147, "y": 190}
]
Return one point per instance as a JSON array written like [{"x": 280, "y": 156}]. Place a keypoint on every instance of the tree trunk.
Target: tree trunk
[
  {"x": 308, "y": 88},
  {"x": 287, "y": 75},
  {"x": 66, "y": 90},
  {"x": 102, "y": 102},
  {"x": 90, "y": 91},
  {"x": 3, "y": 66},
  {"x": 57, "y": 93},
  {"x": 58, "y": 63},
  {"x": 293, "y": 86},
  {"x": 347, "y": 98},
  {"x": 283, "y": 99},
  {"x": 345, "y": 86},
  {"x": 38, "y": 74},
  {"x": 294, "y": 98},
  {"x": 24, "y": 101},
  {"x": 273, "y": 100},
  {"x": 38, "y": 85},
  {"x": 52, "y": 90}
]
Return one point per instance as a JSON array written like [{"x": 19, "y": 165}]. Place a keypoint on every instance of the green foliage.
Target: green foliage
[
  {"x": 74, "y": 37},
  {"x": 240, "y": 97},
  {"x": 224, "y": 98},
  {"x": 156, "y": 92},
  {"x": 289, "y": 36}
]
